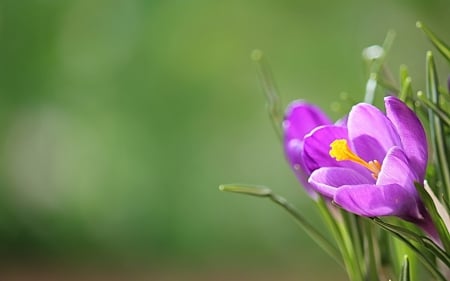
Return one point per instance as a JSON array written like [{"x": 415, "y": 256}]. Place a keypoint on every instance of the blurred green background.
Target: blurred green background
[{"x": 119, "y": 120}]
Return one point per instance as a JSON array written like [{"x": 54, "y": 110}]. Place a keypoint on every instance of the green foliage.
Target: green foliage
[{"x": 359, "y": 240}]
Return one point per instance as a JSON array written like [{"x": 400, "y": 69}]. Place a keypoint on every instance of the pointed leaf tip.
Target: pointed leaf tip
[
  {"x": 440, "y": 45},
  {"x": 254, "y": 190},
  {"x": 405, "y": 272}
]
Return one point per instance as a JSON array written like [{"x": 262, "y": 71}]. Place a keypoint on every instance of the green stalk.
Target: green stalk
[
  {"x": 262, "y": 191},
  {"x": 402, "y": 250},
  {"x": 429, "y": 264},
  {"x": 351, "y": 237},
  {"x": 437, "y": 212},
  {"x": 371, "y": 86},
  {"x": 405, "y": 84},
  {"x": 307, "y": 227},
  {"x": 341, "y": 237},
  {"x": 438, "y": 43},
  {"x": 270, "y": 90},
  {"x": 405, "y": 272},
  {"x": 358, "y": 229},
  {"x": 377, "y": 71},
  {"x": 445, "y": 117},
  {"x": 373, "y": 272},
  {"x": 436, "y": 127}
]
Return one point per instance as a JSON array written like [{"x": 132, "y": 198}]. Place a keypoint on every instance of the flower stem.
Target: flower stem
[
  {"x": 307, "y": 227},
  {"x": 265, "y": 192},
  {"x": 436, "y": 129},
  {"x": 439, "y": 44},
  {"x": 270, "y": 90},
  {"x": 426, "y": 261}
]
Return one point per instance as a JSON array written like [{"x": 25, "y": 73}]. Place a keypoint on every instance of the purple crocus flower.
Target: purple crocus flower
[
  {"x": 301, "y": 118},
  {"x": 367, "y": 166}
]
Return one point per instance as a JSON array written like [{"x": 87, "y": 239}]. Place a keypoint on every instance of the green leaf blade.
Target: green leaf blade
[{"x": 442, "y": 47}]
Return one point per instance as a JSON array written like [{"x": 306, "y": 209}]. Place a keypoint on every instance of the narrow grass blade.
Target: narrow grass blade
[
  {"x": 437, "y": 211},
  {"x": 270, "y": 90},
  {"x": 405, "y": 84},
  {"x": 437, "y": 135},
  {"x": 443, "y": 48},
  {"x": 444, "y": 116},
  {"x": 405, "y": 272},
  {"x": 262, "y": 191},
  {"x": 404, "y": 235}
]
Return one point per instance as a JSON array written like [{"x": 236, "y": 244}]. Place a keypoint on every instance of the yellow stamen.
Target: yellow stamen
[{"x": 341, "y": 151}]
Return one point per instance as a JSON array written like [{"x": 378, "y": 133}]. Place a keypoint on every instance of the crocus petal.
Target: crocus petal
[
  {"x": 317, "y": 146},
  {"x": 316, "y": 149},
  {"x": 328, "y": 180},
  {"x": 397, "y": 170},
  {"x": 411, "y": 132},
  {"x": 371, "y": 132},
  {"x": 300, "y": 118},
  {"x": 294, "y": 153},
  {"x": 374, "y": 200}
]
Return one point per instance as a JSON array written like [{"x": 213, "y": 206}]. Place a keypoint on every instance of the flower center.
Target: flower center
[{"x": 341, "y": 151}]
